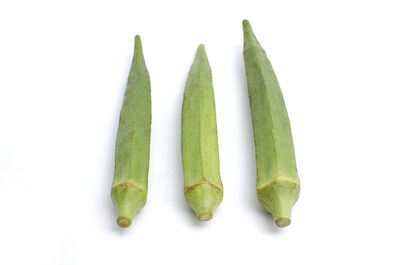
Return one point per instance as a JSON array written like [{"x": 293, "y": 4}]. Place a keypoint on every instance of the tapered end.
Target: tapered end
[
  {"x": 201, "y": 48},
  {"x": 278, "y": 199},
  {"x": 138, "y": 47},
  {"x": 246, "y": 24},
  {"x": 200, "y": 67},
  {"x": 204, "y": 199},
  {"x": 128, "y": 200},
  {"x": 201, "y": 55},
  {"x": 249, "y": 39},
  {"x": 138, "y": 42}
]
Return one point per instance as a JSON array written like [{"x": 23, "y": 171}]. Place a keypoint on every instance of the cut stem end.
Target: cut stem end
[
  {"x": 124, "y": 221},
  {"x": 205, "y": 216},
  {"x": 282, "y": 222},
  {"x": 204, "y": 199}
]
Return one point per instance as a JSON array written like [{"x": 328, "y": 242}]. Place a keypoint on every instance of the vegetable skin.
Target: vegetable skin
[
  {"x": 132, "y": 149},
  {"x": 202, "y": 182},
  {"x": 278, "y": 184}
]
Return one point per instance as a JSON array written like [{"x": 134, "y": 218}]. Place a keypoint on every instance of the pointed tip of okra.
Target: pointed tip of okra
[
  {"x": 204, "y": 199},
  {"x": 247, "y": 27},
  {"x": 249, "y": 38},
  {"x": 246, "y": 23},
  {"x": 128, "y": 200},
  {"x": 138, "y": 44},
  {"x": 201, "y": 52},
  {"x": 201, "y": 47},
  {"x": 138, "y": 41},
  {"x": 278, "y": 199},
  {"x": 201, "y": 58}
]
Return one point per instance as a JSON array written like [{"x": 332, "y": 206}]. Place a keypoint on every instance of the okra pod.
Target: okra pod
[
  {"x": 202, "y": 182},
  {"x": 278, "y": 184},
  {"x": 132, "y": 149}
]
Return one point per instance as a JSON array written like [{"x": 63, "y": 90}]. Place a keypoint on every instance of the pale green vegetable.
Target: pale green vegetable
[
  {"x": 203, "y": 187},
  {"x": 132, "y": 149},
  {"x": 277, "y": 180}
]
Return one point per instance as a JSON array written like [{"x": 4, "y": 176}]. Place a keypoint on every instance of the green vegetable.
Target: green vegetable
[
  {"x": 132, "y": 149},
  {"x": 278, "y": 184},
  {"x": 203, "y": 187}
]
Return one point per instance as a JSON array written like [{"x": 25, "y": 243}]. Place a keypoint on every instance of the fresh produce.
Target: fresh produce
[
  {"x": 132, "y": 149},
  {"x": 203, "y": 187},
  {"x": 277, "y": 180}
]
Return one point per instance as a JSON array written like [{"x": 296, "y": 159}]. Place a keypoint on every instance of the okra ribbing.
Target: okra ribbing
[
  {"x": 277, "y": 180},
  {"x": 132, "y": 149},
  {"x": 203, "y": 187}
]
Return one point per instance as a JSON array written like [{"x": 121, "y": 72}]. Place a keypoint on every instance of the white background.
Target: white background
[{"x": 63, "y": 71}]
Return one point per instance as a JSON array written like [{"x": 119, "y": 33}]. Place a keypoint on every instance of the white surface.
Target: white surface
[{"x": 64, "y": 67}]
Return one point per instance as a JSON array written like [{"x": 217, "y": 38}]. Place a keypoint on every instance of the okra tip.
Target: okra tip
[
  {"x": 201, "y": 57},
  {"x": 248, "y": 36},
  {"x": 246, "y": 23},
  {"x": 247, "y": 26},
  {"x": 201, "y": 51},
  {"x": 138, "y": 44},
  {"x": 137, "y": 39}
]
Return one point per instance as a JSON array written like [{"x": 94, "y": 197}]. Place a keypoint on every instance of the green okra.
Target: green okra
[
  {"x": 278, "y": 184},
  {"x": 132, "y": 149},
  {"x": 202, "y": 182}
]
